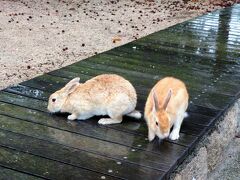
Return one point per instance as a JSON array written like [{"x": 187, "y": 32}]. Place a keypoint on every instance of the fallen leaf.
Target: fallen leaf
[{"x": 116, "y": 39}]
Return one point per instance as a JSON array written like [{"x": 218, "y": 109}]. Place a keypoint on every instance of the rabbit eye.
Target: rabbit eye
[
  {"x": 157, "y": 123},
  {"x": 53, "y": 100}
]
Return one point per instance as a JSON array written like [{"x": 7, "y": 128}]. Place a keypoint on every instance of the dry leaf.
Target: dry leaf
[{"x": 116, "y": 39}]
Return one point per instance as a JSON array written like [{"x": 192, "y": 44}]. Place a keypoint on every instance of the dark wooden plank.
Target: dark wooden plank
[
  {"x": 203, "y": 110},
  {"x": 187, "y": 128},
  {"x": 193, "y": 118},
  {"x": 123, "y": 126},
  {"x": 161, "y": 49},
  {"x": 21, "y": 100},
  {"x": 88, "y": 128},
  {"x": 138, "y": 142},
  {"x": 187, "y": 66},
  {"x": 127, "y": 125},
  {"x": 70, "y": 75},
  {"x": 186, "y": 139},
  {"x": 75, "y": 157},
  {"x": 217, "y": 102},
  {"x": 210, "y": 100},
  {"x": 9, "y": 173},
  {"x": 200, "y": 30},
  {"x": 192, "y": 39},
  {"x": 165, "y": 158},
  {"x": 166, "y": 57},
  {"x": 43, "y": 95},
  {"x": 49, "y": 169}
]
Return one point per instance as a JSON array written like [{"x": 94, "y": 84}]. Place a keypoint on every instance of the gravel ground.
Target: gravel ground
[{"x": 40, "y": 36}]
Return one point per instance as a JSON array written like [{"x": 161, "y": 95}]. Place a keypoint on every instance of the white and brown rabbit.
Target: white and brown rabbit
[
  {"x": 106, "y": 94},
  {"x": 166, "y": 107}
]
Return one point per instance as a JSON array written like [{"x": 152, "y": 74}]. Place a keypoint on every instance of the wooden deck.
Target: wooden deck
[{"x": 203, "y": 52}]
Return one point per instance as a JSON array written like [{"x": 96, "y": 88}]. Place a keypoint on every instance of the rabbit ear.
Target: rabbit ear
[
  {"x": 75, "y": 80},
  {"x": 167, "y": 99},
  {"x": 155, "y": 101},
  {"x": 71, "y": 86}
]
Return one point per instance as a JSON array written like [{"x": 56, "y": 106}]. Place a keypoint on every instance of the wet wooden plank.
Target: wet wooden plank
[
  {"x": 70, "y": 75},
  {"x": 206, "y": 98},
  {"x": 54, "y": 83},
  {"x": 193, "y": 118},
  {"x": 183, "y": 52},
  {"x": 210, "y": 100},
  {"x": 185, "y": 69},
  {"x": 168, "y": 153},
  {"x": 9, "y": 173},
  {"x": 51, "y": 85},
  {"x": 129, "y": 125},
  {"x": 75, "y": 157},
  {"x": 191, "y": 40},
  {"x": 42, "y": 95},
  {"x": 202, "y": 66},
  {"x": 46, "y": 168},
  {"x": 89, "y": 128}
]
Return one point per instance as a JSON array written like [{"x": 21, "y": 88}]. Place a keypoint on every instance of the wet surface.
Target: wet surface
[{"x": 203, "y": 52}]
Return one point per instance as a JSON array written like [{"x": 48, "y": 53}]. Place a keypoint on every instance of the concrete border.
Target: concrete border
[{"x": 210, "y": 150}]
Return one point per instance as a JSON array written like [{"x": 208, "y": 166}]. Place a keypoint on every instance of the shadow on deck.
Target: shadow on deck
[{"x": 203, "y": 52}]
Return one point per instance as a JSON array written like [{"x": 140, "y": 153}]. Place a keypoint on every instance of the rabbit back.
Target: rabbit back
[{"x": 103, "y": 93}]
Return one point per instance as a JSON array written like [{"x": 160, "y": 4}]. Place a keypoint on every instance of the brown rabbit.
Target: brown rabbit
[
  {"x": 106, "y": 94},
  {"x": 166, "y": 107}
]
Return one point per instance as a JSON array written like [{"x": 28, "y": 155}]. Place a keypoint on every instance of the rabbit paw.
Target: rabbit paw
[
  {"x": 151, "y": 135},
  {"x": 105, "y": 121},
  {"x": 174, "y": 135},
  {"x": 72, "y": 117}
]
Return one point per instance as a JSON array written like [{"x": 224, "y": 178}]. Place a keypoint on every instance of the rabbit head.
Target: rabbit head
[
  {"x": 160, "y": 117},
  {"x": 57, "y": 99}
]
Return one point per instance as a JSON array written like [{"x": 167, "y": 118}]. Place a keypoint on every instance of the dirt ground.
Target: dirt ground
[{"x": 40, "y": 36}]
